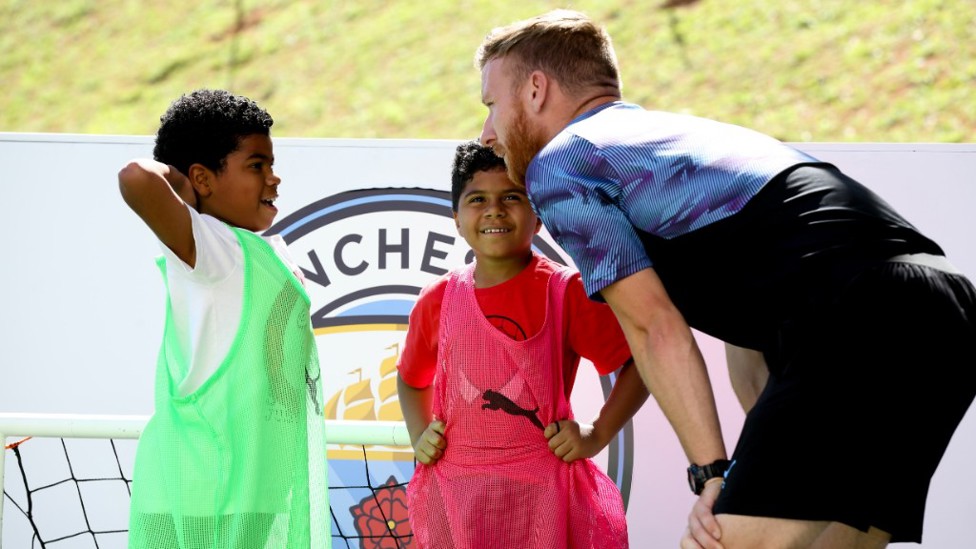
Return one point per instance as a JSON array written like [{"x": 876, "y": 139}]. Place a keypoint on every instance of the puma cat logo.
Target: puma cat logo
[{"x": 498, "y": 401}]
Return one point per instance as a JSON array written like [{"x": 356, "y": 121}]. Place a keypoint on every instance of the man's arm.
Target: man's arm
[
  {"x": 672, "y": 367},
  {"x": 669, "y": 362},
  {"x": 426, "y": 434},
  {"x": 159, "y": 194},
  {"x": 570, "y": 441},
  {"x": 748, "y": 374}
]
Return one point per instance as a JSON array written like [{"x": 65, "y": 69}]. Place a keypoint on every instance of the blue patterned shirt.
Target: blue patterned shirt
[{"x": 619, "y": 169}]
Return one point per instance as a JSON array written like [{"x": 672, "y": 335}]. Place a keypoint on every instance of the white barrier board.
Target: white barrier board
[{"x": 83, "y": 302}]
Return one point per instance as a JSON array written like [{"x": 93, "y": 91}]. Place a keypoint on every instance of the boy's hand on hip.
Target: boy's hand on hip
[
  {"x": 569, "y": 441},
  {"x": 430, "y": 446}
]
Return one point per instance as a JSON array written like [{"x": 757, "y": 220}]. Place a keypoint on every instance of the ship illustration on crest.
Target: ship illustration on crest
[
  {"x": 361, "y": 402},
  {"x": 369, "y": 398}
]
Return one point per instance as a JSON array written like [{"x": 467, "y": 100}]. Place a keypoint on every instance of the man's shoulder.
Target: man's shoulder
[{"x": 583, "y": 144}]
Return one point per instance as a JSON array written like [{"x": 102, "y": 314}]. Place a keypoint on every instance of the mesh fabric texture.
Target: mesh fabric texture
[
  {"x": 498, "y": 484},
  {"x": 240, "y": 462}
]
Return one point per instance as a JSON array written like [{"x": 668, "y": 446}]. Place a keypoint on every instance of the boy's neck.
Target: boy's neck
[{"x": 490, "y": 272}]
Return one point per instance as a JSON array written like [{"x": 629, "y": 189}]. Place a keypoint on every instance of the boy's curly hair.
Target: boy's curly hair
[
  {"x": 205, "y": 126},
  {"x": 470, "y": 158}
]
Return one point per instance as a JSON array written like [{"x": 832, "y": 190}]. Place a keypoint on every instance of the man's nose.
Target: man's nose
[{"x": 488, "y": 137}]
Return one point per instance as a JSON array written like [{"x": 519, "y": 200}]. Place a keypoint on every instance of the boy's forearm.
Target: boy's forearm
[
  {"x": 154, "y": 191},
  {"x": 148, "y": 177},
  {"x": 417, "y": 407},
  {"x": 627, "y": 396}
]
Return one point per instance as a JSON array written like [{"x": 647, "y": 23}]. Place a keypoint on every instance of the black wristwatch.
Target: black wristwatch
[{"x": 698, "y": 474}]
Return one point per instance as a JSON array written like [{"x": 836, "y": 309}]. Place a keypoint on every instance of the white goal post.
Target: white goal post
[{"x": 383, "y": 433}]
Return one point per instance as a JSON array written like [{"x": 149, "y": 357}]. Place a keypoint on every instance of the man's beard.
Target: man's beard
[{"x": 523, "y": 144}]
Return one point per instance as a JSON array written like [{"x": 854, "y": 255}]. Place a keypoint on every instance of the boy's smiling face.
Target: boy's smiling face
[
  {"x": 243, "y": 192},
  {"x": 495, "y": 218}
]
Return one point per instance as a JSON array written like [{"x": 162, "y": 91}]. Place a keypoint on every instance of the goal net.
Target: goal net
[{"x": 68, "y": 486}]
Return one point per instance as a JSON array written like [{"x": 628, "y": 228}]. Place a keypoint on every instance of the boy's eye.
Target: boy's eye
[
  {"x": 476, "y": 199},
  {"x": 513, "y": 197}
]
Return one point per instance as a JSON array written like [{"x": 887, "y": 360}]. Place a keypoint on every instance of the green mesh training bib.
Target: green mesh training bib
[{"x": 240, "y": 463}]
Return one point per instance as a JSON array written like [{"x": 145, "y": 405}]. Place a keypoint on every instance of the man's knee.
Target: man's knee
[
  {"x": 844, "y": 536},
  {"x": 740, "y": 532}
]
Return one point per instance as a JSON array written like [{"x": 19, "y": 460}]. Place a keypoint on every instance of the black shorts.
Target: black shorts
[{"x": 856, "y": 417}]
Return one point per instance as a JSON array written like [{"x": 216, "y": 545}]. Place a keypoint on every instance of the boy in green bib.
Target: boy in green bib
[{"x": 234, "y": 455}]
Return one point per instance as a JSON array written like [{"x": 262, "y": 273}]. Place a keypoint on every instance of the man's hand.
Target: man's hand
[
  {"x": 570, "y": 442},
  {"x": 430, "y": 446},
  {"x": 703, "y": 530}
]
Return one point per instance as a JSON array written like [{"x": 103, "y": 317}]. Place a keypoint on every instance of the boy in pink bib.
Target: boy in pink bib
[{"x": 485, "y": 377}]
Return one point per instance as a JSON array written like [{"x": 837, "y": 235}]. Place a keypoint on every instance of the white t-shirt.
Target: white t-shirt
[{"x": 207, "y": 299}]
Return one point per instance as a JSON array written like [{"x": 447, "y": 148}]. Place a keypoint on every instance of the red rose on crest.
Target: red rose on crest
[{"x": 381, "y": 518}]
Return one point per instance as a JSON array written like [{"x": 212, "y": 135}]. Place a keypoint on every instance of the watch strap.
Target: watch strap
[{"x": 698, "y": 475}]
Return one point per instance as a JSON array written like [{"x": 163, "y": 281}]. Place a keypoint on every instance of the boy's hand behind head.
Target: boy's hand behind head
[{"x": 181, "y": 185}]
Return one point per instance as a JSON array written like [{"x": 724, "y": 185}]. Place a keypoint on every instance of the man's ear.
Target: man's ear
[
  {"x": 457, "y": 223},
  {"x": 537, "y": 90},
  {"x": 538, "y": 225},
  {"x": 201, "y": 178}
]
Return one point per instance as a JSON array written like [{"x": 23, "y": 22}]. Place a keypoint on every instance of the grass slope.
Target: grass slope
[{"x": 801, "y": 70}]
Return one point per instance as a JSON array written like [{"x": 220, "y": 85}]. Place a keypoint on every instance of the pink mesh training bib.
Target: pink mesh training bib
[{"x": 498, "y": 483}]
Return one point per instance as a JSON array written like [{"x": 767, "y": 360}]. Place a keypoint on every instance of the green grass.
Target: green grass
[{"x": 801, "y": 70}]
